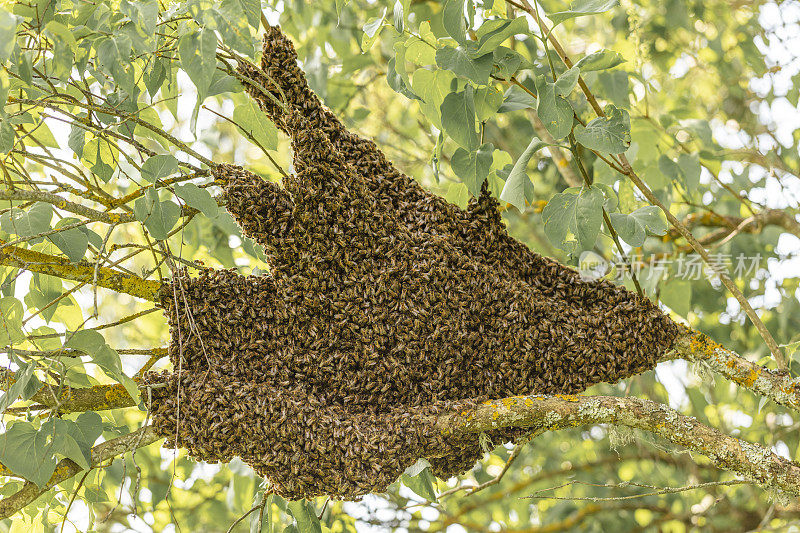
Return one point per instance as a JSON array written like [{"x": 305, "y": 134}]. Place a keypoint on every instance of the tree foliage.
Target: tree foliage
[{"x": 609, "y": 130}]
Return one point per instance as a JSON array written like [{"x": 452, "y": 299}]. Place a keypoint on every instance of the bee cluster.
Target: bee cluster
[{"x": 384, "y": 305}]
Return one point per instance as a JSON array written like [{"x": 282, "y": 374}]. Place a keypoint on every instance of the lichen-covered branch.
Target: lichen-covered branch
[
  {"x": 66, "y": 205},
  {"x": 82, "y": 271},
  {"x": 778, "y": 386},
  {"x": 75, "y": 400},
  {"x": 548, "y": 413},
  {"x": 67, "y": 468}
]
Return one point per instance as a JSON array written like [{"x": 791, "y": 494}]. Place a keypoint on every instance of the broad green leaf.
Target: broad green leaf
[
  {"x": 473, "y": 167},
  {"x": 23, "y": 379},
  {"x": 304, "y": 516},
  {"x": 677, "y": 295},
  {"x": 487, "y": 101},
  {"x": 515, "y": 99},
  {"x": 514, "y": 189},
  {"x": 614, "y": 86},
  {"x": 11, "y": 314},
  {"x": 251, "y": 9},
  {"x": 610, "y": 134},
  {"x": 459, "y": 61},
  {"x": 506, "y": 63},
  {"x": 668, "y": 167},
  {"x": 27, "y": 222},
  {"x": 28, "y": 452},
  {"x": 690, "y": 170},
  {"x": 453, "y": 20},
  {"x": 198, "y": 198},
  {"x": 197, "y": 52},
  {"x": 252, "y": 120},
  {"x": 554, "y": 110},
  {"x": 395, "y": 79},
  {"x": 633, "y": 227},
  {"x": 74, "y": 440},
  {"x": 567, "y": 81},
  {"x": 101, "y": 157},
  {"x": 159, "y": 166},
  {"x": 432, "y": 87},
  {"x": 582, "y": 7},
  {"x": 8, "y": 34},
  {"x": 422, "y": 484},
  {"x": 371, "y": 31},
  {"x": 602, "y": 60},
  {"x": 159, "y": 217},
  {"x": 572, "y": 218},
  {"x": 397, "y": 16},
  {"x": 494, "y": 32},
  {"x": 458, "y": 118},
  {"x": 93, "y": 343},
  {"x": 44, "y": 290}
]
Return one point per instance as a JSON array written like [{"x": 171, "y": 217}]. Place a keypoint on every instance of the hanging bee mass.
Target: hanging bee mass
[{"x": 384, "y": 304}]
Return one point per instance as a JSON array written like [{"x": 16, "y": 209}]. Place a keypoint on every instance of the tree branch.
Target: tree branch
[
  {"x": 66, "y": 205},
  {"x": 547, "y": 413},
  {"x": 67, "y": 468},
  {"x": 777, "y": 386},
  {"x": 82, "y": 271}
]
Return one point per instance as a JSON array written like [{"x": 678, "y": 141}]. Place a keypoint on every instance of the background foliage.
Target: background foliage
[{"x": 114, "y": 110}]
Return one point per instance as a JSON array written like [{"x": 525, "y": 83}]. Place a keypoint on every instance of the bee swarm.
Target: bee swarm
[{"x": 384, "y": 305}]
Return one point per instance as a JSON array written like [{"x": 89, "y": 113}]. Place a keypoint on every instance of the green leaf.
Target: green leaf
[
  {"x": 487, "y": 101},
  {"x": 615, "y": 87},
  {"x": 602, "y": 60},
  {"x": 610, "y": 134},
  {"x": 459, "y": 61},
  {"x": 158, "y": 217},
  {"x": 422, "y": 484},
  {"x": 432, "y": 87},
  {"x": 26, "y": 223},
  {"x": 494, "y": 32},
  {"x": 28, "y": 452},
  {"x": 506, "y": 63},
  {"x": 198, "y": 198},
  {"x": 11, "y": 314},
  {"x": 582, "y": 7},
  {"x": 159, "y": 166},
  {"x": 668, "y": 167},
  {"x": 473, "y": 167},
  {"x": 453, "y": 20},
  {"x": 251, "y": 9},
  {"x": 573, "y": 218},
  {"x": 395, "y": 79},
  {"x": 633, "y": 227},
  {"x": 397, "y": 16},
  {"x": 8, "y": 34},
  {"x": 93, "y": 343},
  {"x": 252, "y": 120},
  {"x": 458, "y": 118},
  {"x": 74, "y": 440},
  {"x": 677, "y": 295},
  {"x": 565, "y": 83},
  {"x": 304, "y": 516},
  {"x": 197, "y": 52},
  {"x": 43, "y": 291},
  {"x": 514, "y": 189},
  {"x": 101, "y": 157},
  {"x": 24, "y": 380},
  {"x": 515, "y": 99},
  {"x": 371, "y": 31},
  {"x": 690, "y": 170},
  {"x": 554, "y": 110}
]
